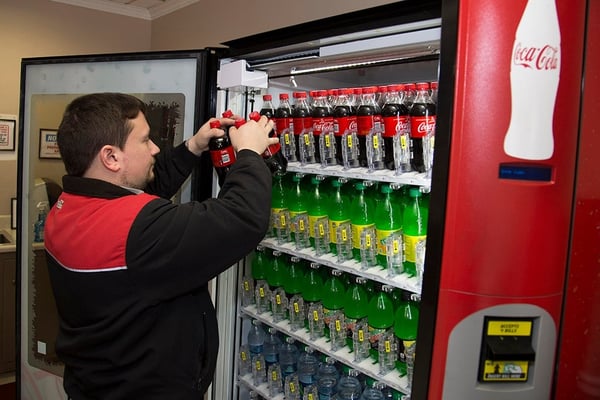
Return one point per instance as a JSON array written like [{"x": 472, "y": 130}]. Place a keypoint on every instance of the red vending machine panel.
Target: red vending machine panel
[{"x": 510, "y": 188}]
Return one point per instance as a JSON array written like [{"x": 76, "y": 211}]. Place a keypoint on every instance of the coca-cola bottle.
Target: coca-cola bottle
[
  {"x": 222, "y": 153},
  {"x": 433, "y": 91},
  {"x": 284, "y": 125},
  {"x": 301, "y": 114},
  {"x": 396, "y": 130},
  {"x": 410, "y": 92},
  {"x": 272, "y": 155},
  {"x": 534, "y": 78},
  {"x": 368, "y": 122},
  {"x": 323, "y": 125},
  {"x": 422, "y": 128},
  {"x": 344, "y": 128}
]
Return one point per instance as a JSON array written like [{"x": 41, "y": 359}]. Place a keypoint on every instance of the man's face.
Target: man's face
[{"x": 138, "y": 152}]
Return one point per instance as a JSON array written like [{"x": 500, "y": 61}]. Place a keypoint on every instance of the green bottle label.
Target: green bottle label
[
  {"x": 301, "y": 226},
  {"x": 382, "y": 235},
  {"x": 357, "y": 231},
  {"x": 320, "y": 221},
  {"x": 279, "y": 217},
  {"x": 333, "y": 226}
]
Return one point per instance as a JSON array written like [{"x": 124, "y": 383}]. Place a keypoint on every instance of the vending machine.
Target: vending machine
[{"x": 499, "y": 274}]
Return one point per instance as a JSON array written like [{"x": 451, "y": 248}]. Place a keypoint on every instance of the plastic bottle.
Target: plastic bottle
[
  {"x": 362, "y": 217},
  {"x": 273, "y": 155},
  {"x": 318, "y": 222},
  {"x": 293, "y": 288},
  {"x": 356, "y": 307},
  {"x": 396, "y": 130},
  {"x": 388, "y": 224},
  {"x": 296, "y": 201},
  {"x": 222, "y": 153},
  {"x": 284, "y": 125},
  {"x": 312, "y": 293},
  {"x": 349, "y": 387},
  {"x": 422, "y": 128},
  {"x": 303, "y": 136},
  {"x": 344, "y": 121},
  {"x": 323, "y": 122},
  {"x": 288, "y": 357},
  {"x": 433, "y": 93},
  {"x": 39, "y": 225},
  {"x": 334, "y": 290},
  {"x": 280, "y": 215},
  {"x": 414, "y": 226},
  {"x": 276, "y": 277},
  {"x": 406, "y": 322},
  {"x": 307, "y": 367},
  {"x": 368, "y": 119},
  {"x": 410, "y": 92},
  {"x": 380, "y": 315},
  {"x": 374, "y": 392},
  {"x": 338, "y": 213},
  {"x": 256, "y": 338},
  {"x": 271, "y": 347}
]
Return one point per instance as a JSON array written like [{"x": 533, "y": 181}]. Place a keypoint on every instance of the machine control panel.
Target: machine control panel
[{"x": 506, "y": 349}]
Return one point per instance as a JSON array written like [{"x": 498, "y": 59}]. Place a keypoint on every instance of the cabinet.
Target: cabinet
[{"x": 8, "y": 265}]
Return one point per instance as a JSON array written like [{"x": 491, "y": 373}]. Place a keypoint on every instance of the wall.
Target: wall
[
  {"x": 205, "y": 24},
  {"x": 40, "y": 28}
]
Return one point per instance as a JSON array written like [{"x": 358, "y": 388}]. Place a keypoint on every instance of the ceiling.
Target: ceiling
[{"x": 144, "y": 9}]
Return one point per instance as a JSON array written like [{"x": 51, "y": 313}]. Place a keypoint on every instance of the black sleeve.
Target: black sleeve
[
  {"x": 172, "y": 168},
  {"x": 173, "y": 249}
]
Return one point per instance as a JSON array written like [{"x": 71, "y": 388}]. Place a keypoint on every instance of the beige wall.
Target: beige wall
[{"x": 41, "y": 28}]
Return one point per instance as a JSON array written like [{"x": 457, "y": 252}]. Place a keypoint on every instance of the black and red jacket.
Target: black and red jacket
[{"x": 130, "y": 272}]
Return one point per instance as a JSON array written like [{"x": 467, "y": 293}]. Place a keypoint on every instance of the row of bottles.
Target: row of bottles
[
  {"x": 373, "y": 223},
  {"x": 368, "y": 318},
  {"x": 299, "y": 372},
  {"x": 381, "y": 127}
]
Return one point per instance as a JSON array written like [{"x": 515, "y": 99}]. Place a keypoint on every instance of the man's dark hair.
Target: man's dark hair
[{"x": 92, "y": 121}]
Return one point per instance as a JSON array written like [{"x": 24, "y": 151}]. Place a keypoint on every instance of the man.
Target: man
[{"x": 129, "y": 269}]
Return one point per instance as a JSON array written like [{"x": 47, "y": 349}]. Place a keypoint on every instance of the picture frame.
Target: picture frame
[
  {"x": 7, "y": 134},
  {"x": 49, "y": 144},
  {"x": 13, "y": 213}
]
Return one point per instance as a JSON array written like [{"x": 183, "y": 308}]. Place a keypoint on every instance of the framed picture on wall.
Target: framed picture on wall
[
  {"x": 7, "y": 134},
  {"x": 48, "y": 144}
]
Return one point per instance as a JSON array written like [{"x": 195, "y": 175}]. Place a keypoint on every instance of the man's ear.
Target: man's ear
[{"x": 110, "y": 158}]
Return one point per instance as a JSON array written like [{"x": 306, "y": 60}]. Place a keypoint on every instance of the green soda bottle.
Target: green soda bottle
[
  {"x": 318, "y": 224},
  {"x": 293, "y": 288},
  {"x": 380, "y": 315},
  {"x": 414, "y": 227},
  {"x": 405, "y": 329},
  {"x": 333, "y": 304},
  {"x": 276, "y": 278},
  {"x": 260, "y": 264},
  {"x": 312, "y": 292},
  {"x": 362, "y": 217},
  {"x": 297, "y": 204},
  {"x": 388, "y": 222},
  {"x": 279, "y": 211},
  {"x": 356, "y": 307},
  {"x": 338, "y": 212}
]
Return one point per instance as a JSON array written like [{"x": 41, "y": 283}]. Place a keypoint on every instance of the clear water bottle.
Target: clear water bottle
[
  {"x": 288, "y": 357},
  {"x": 349, "y": 387},
  {"x": 308, "y": 365},
  {"x": 256, "y": 338},
  {"x": 327, "y": 379},
  {"x": 271, "y": 347},
  {"x": 373, "y": 393}
]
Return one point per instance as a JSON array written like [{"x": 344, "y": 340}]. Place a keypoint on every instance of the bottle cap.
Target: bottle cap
[
  {"x": 386, "y": 189},
  {"x": 215, "y": 124},
  {"x": 369, "y": 89},
  {"x": 254, "y": 116},
  {"x": 283, "y": 96},
  {"x": 227, "y": 114},
  {"x": 267, "y": 97},
  {"x": 299, "y": 95},
  {"x": 414, "y": 192},
  {"x": 239, "y": 122},
  {"x": 434, "y": 85},
  {"x": 423, "y": 86}
]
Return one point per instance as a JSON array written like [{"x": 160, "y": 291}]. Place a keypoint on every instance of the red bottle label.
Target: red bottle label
[
  {"x": 300, "y": 124},
  {"x": 272, "y": 149},
  {"x": 281, "y": 124},
  {"x": 343, "y": 124},
  {"x": 322, "y": 124},
  {"x": 222, "y": 157},
  {"x": 397, "y": 124},
  {"x": 421, "y": 125}
]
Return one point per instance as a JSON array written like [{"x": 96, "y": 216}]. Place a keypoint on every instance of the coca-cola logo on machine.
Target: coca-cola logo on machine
[
  {"x": 543, "y": 58},
  {"x": 534, "y": 77}
]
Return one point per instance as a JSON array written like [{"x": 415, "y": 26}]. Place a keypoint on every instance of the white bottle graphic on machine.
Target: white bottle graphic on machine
[{"x": 534, "y": 77}]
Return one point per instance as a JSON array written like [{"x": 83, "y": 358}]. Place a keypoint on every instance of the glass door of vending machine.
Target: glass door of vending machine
[{"x": 331, "y": 296}]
